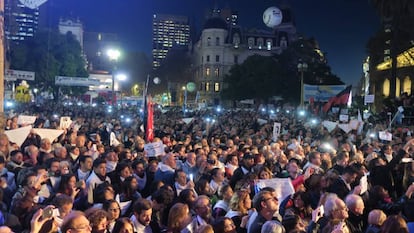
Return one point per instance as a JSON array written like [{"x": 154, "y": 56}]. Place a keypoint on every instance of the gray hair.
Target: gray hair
[
  {"x": 352, "y": 200},
  {"x": 331, "y": 204},
  {"x": 272, "y": 227}
]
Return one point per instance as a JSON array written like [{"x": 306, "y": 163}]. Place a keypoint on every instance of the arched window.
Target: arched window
[
  {"x": 386, "y": 88},
  {"x": 407, "y": 85},
  {"x": 260, "y": 43},
  {"x": 269, "y": 44},
  {"x": 397, "y": 87},
  {"x": 250, "y": 42},
  {"x": 217, "y": 41},
  {"x": 208, "y": 41},
  {"x": 236, "y": 40}
]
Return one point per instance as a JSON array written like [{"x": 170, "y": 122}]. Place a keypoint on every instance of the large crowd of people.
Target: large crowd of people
[{"x": 98, "y": 177}]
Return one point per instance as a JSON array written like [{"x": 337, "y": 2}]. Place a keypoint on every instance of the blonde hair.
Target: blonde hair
[
  {"x": 376, "y": 217},
  {"x": 236, "y": 201},
  {"x": 176, "y": 215}
]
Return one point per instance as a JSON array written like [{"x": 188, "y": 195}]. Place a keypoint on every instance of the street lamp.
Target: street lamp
[
  {"x": 302, "y": 67},
  {"x": 184, "y": 88},
  {"x": 120, "y": 77},
  {"x": 113, "y": 55}
]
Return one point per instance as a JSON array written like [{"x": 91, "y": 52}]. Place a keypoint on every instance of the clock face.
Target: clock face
[
  {"x": 32, "y": 4},
  {"x": 272, "y": 17}
]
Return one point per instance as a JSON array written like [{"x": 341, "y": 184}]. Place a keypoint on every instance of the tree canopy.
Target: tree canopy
[
  {"x": 262, "y": 77},
  {"x": 50, "y": 54}
]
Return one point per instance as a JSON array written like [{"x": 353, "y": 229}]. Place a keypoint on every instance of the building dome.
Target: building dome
[{"x": 215, "y": 22}]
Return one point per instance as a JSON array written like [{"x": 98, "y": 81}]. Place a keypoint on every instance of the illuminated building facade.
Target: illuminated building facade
[
  {"x": 168, "y": 31},
  {"x": 21, "y": 22},
  {"x": 223, "y": 43}
]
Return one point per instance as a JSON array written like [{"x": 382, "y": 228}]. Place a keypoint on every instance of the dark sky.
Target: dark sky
[{"x": 342, "y": 27}]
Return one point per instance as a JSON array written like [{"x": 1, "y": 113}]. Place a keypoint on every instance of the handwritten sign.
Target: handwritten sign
[{"x": 154, "y": 149}]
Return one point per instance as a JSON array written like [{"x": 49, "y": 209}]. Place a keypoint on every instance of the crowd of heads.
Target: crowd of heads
[{"x": 208, "y": 177}]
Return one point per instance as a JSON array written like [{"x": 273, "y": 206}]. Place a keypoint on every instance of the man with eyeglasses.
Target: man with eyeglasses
[
  {"x": 202, "y": 207},
  {"x": 266, "y": 205}
]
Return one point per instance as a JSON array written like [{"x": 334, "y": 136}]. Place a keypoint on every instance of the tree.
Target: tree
[
  {"x": 258, "y": 77},
  {"x": 50, "y": 54},
  {"x": 261, "y": 77}
]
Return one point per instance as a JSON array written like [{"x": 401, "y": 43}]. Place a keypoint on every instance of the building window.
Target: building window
[
  {"x": 268, "y": 44},
  {"x": 217, "y": 58},
  {"x": 208, "y": 58},
  {"x": 250, "y": 42},
  {"x": 236, "y": 59},
  {"x": 386, "y": 88},
  {"x": 260, "y": 43},
  {"x": 407, "y": 85},
  {"x": 216, "y": 87},
  {"x": 208, "y": 41},
  {"x": 207, "y": 86},
  {"x": 216, "y": 72},
  {"x": 397, "y": 87},
  {"x": 283, "y": 42},
  {"x": 207, "y": 71},
  {"x": 236, "y": 40},
  {"x": 217, "y": 41},
  {"x": 202, "y": 84}
]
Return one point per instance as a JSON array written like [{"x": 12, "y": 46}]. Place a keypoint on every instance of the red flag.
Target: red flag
[
  {"x": 149, "y": 133},
  {"x": 340, "y": 99}
]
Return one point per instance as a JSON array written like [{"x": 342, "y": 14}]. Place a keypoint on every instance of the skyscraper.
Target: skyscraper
[
  {"x": 168, "y": 31},
  {"x": 20, "y": 21}
]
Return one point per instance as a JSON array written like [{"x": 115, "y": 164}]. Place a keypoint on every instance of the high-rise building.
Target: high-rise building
[
  {"x": 20, "y": 21},
  {"x": 168, "y": 31}
]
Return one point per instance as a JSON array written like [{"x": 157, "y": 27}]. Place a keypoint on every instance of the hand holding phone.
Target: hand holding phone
[{"x": 47, "y": 212}]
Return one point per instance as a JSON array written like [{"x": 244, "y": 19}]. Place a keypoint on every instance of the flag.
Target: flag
[
  {"x": 340, "y": 99},
  {"x": 149, "y": 130}
]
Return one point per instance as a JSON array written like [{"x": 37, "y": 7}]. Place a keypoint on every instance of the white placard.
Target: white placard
[
  {"x": 65, "y": 122},
  {"x": 26, "y": 120},
  {"x": 368, "y": 99},
  {"x": 51, "y": 134},
  {"x": 344, "y": 118},
  {"x": 276, "y": 130},
  {"x": 283, "y": 187},
  {"x": 154, "y": 149},
  {"x": 385, "y": 135},
  {"x": 18, "y": 135}
]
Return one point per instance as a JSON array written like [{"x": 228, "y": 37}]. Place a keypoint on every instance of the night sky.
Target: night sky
[{"x": 342, "y": 27}]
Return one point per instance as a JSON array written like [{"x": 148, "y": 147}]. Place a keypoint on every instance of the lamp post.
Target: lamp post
[
  {"x": 113, "y": 55},
  {"x": 302, "y": 67},
  {"x": 122, "y": 78},
  {"x": 184, "y": 88}
]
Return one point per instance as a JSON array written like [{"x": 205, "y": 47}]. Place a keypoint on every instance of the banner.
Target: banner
[
  {"x": 321, "y": 93},
  {"x": 154, "y": 149},
  {"x": 283, "y": 187},
  {"x": 18, "y": 135},
  {"x": 339, "y": 99},
  {"x": 51, "y": 134}
]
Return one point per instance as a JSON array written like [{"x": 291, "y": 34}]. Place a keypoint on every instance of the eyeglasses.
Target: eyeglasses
[{"x": 270, "y": 198}]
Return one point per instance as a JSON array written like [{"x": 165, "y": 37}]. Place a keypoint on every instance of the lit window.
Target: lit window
[
  {"x": 207, "y": 71},
  {"x": 207, "y": 86},
  {"x": 216, "y": 72},
  {"x": 216, "y": 87},
  {"x": 386, "y": 88},
  {"x": 250, "y": 42}
]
